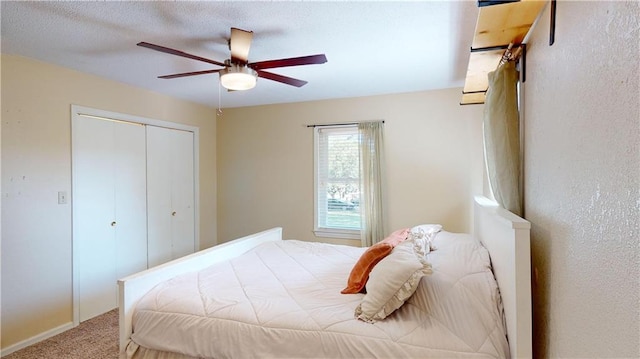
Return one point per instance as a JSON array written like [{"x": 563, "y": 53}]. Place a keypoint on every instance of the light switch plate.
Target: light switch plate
[{"x": 62, "y": 197}]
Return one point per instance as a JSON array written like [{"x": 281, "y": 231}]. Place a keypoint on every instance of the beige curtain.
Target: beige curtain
[
  {"x": 502, "y": 137},
  {"x": 371, "y": 172}
]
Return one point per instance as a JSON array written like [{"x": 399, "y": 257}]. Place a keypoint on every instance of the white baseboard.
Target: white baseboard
[{"x": 35, "y": 339}]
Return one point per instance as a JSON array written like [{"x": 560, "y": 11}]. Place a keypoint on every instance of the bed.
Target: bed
[{"x": 262, "y": 296}]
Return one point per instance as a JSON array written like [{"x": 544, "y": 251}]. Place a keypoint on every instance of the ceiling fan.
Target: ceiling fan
[{"x": 237, "y": 73}]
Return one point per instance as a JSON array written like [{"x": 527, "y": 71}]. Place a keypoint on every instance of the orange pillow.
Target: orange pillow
[{"x": 360, "y": 272}]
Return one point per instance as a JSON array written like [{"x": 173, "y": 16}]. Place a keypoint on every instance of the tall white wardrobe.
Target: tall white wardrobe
[{"x": 134, "y": 201}]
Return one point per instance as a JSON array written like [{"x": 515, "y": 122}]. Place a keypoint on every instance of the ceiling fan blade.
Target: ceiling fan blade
[
  {"x": 284, "y": 79},
  {"x": 293, "y": 61},
  {"x": 178, "y": 53},
  {"x": 185, "y": 74},
  {"x": 239, "y": 44}
]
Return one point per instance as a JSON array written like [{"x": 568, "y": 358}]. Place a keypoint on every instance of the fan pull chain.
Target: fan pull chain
[{"x": 219, "y": 110}]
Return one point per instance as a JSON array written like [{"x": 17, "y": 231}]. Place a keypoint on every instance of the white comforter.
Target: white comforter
[{"x": 282, "y": 300}]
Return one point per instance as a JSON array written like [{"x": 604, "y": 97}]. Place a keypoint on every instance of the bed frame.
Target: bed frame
[
  {"x": 505, "y": 235},
  {"x": 135, "y": 286}
]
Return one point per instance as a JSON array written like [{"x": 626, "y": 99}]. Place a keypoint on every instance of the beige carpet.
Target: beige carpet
[{"x": 96, "y": 338}]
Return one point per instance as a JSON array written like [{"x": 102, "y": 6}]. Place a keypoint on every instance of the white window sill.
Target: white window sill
[{"x": 337, "y": 233}]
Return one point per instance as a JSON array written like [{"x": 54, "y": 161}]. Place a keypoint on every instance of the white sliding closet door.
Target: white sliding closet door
[
  {"x": 170, "y": 194},
  {"x": 131, "y": 199},
  {"x": 109, "y": 209}
]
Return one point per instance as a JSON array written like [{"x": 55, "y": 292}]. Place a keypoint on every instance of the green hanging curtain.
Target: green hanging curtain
[
  {"x": 371, "y": 174},
  {"x": 501, "y": 127}
]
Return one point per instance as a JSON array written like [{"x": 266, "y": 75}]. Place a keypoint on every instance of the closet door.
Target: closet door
[
  {"x": 130, "y": 198},
  {"x": 109, "y": 209},
  {"x": 170, "y": 194}
]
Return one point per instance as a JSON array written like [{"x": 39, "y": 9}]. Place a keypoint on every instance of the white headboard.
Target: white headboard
[{"x": 506, "y": 236}]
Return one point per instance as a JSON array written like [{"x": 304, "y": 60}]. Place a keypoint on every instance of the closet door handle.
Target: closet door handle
[
  {"x": 173, "y": 213},
  {"x": 113, "y": 224}
]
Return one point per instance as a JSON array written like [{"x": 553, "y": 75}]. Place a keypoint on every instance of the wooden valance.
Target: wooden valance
[{"x": 499, "y": 24}]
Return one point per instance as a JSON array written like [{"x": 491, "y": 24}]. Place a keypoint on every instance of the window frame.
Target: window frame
[{"x": 323, "y": 231}]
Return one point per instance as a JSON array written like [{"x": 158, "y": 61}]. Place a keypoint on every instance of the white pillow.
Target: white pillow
[
  {"x": 423, "y": 236},
  {"x": 391, "y": 282}
]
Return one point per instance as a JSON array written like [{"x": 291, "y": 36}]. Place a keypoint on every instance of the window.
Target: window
[{"x": 337, "y": 182}]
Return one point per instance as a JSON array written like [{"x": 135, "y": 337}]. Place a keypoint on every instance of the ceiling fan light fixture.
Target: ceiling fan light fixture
[{"x": 238, "y": 77}]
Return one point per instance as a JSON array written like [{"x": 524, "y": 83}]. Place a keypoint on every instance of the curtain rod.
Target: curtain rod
[{"x": 340, "y": 124}]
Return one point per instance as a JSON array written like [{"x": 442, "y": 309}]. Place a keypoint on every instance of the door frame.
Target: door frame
[{"x": 78, "y": 112}]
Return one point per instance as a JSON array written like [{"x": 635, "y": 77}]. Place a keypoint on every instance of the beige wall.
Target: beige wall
[
  {"x": 582, "y": 180},
  {"x": 36, "y": 164},
  {"x": 265, "y": 161}
]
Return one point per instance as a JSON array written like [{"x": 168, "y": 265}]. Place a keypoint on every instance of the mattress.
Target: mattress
[{"x": 282, "y": 300}]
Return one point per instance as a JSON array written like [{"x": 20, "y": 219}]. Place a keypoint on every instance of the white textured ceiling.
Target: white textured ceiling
[{"x": 372, "y": 47}]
